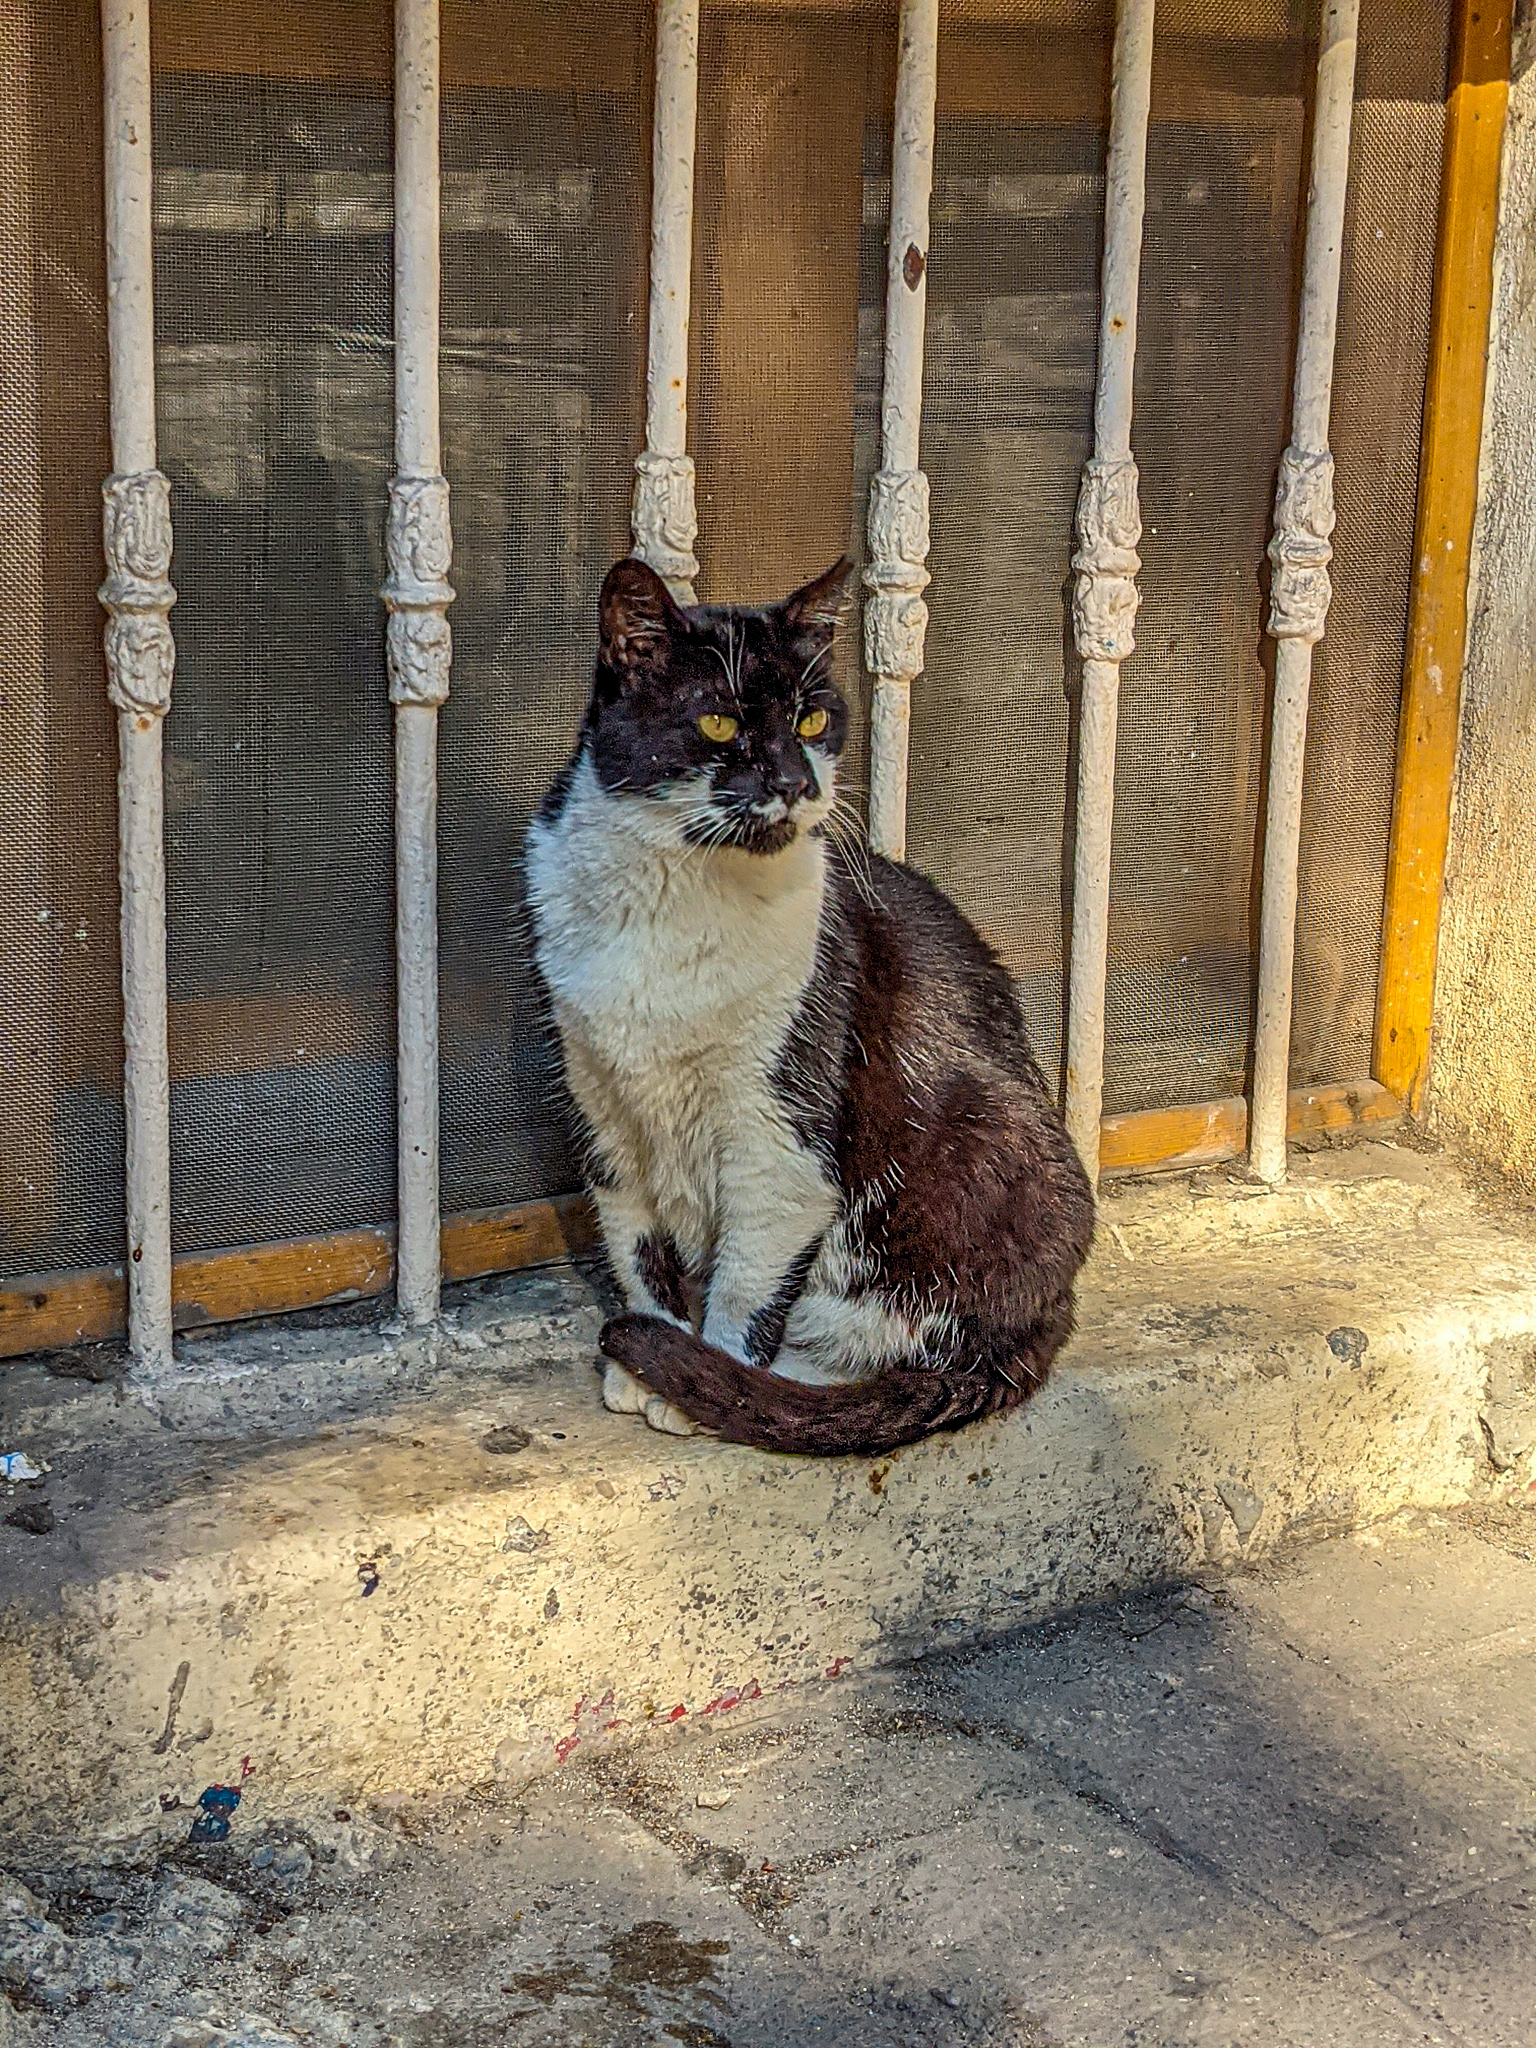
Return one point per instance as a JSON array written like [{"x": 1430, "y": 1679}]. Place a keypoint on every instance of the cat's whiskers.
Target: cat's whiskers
[
  {"x": 815, "y": 662},
  {"x": 733, "y": 666},
  {"x": 709, "y": 825},
  {"x": 730, "y": 680},
  {"x": 845, "y": 829}
]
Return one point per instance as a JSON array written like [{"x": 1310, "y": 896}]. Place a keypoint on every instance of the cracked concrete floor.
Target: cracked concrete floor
[{"x": 1293, "y": 1805}]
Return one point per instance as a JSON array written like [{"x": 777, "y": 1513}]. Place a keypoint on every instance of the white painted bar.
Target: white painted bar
[
  {"x": 664, "y": 518},
  {"x": 895, "y": 616},
  {"x": 1300, "y": 589},
  {"x": 141, "y": 659},
  {"x": 419, "y": 645},
  {"x": 1105, "y": 597}
]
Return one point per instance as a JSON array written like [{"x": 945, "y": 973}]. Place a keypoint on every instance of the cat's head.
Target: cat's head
[{"x": 725, "y": 719}]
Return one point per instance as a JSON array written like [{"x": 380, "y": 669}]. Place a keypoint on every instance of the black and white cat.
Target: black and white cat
[{"x": 838, "y": 1197}]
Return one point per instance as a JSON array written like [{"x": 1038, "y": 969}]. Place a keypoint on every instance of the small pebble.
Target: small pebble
[
  {"x": 714, "y": 1797},
  {"x": 505, "y": 1439}
]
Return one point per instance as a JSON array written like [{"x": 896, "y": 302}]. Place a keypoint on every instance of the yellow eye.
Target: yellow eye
[
  {"x": 813, "y": 725},
  {"x": 716, "y": 726}
]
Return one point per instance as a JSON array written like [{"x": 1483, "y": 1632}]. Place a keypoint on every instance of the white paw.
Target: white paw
[
  {"x": 670, "y": 1421},
  {"x": 622, "y": 1392}
]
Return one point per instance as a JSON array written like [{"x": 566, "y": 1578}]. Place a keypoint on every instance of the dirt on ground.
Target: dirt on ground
[{"x": 1292, "y": 1805}]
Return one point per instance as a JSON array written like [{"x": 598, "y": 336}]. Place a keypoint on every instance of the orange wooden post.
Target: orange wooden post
[{"x": 1437, "y": 630}]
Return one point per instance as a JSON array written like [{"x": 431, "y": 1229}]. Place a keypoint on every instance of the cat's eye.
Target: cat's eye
[
  {"x": 813, "y": 725},
  {"x": 717, "y": 726}
]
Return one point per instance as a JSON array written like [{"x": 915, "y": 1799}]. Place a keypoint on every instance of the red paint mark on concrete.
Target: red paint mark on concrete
[
  {"x": 565, "y": 1745},
  {"x": 677, "y": 1713},
  {"x": 591, "y": 1708},
  {"x": 838, "y": 1667},
  {"x": 737, "y": 1696}
]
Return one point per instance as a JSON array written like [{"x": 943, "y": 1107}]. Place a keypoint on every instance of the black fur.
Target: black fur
[
  {"x": 661, "y": 669},
  {"x": 907, "y": 1070},
  {"x": 765, "y": 1332},
  {"x": 903, "y": 1403},
  {"x": 660, "y": 1266}
]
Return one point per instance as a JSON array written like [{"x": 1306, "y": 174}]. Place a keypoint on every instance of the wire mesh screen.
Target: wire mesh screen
[
  {"x": 1013, "y": 279},
  {"x": 1378, "y": 399},
  {"x": 61, "y": 1143},
  {"x": 546, "y": 212},
  {"x": 1225, "y": 181},
  {"x": 784, "y": 379},
  {"x": 273, "y": 233},
  {"x": 273, "y": 219},
  {"x": 1007, "y": 425}
]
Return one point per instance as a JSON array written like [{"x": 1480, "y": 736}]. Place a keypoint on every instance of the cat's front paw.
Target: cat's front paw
[
  {"x": 670, "y": 1421},
  {"x": 623, "y": 1393}
]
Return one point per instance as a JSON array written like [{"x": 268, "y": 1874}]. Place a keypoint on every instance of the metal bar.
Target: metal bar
[
  {"x": 141, "y": 658},
  {"x": 1300, "y": 589},
  {"x": 1105, "y": 597},
  {"x": 1442, "y": 554},
  {"x": 664, "y": 518},
  {"x": 419, "y": 546},
  {"x": 895, "y": 616}
]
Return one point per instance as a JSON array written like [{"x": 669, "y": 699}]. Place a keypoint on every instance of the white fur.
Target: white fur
[{"x": 675, "y": 974}]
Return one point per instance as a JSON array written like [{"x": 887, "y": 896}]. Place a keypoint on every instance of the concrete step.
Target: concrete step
[
  {"x": 327, "y": 1556},
  {"x": 1294, "y": 1807}
]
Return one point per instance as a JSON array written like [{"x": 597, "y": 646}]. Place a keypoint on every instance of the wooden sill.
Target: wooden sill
[{"x": 47, "y": 1311}]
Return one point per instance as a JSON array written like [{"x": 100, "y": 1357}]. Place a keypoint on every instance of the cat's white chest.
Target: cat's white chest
[{"x": 675, "y": 974}]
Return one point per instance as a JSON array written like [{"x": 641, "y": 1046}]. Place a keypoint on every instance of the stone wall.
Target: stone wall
[{"x": 1483, "y": 1077}]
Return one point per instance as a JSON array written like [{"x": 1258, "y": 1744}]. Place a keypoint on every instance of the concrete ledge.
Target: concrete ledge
[{"x": 307, "y": 1557}]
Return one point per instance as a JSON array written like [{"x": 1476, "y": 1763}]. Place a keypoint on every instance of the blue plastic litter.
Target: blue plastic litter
[{"x": 218, "y": 1804}]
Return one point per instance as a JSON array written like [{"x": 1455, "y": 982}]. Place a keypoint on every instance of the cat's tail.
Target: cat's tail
[{"x": 895, "y": 1404}]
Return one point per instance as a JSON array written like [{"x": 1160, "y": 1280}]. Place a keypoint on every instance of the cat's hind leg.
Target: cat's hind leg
[
  {"x": 831, "y": 1338},
  {"x": 808, "y": 1367},
  {"x": 623, "y": 1394}
]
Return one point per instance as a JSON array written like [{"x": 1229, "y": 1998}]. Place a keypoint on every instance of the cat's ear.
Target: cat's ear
[
  {"x": 637, "y": 618},
  {"x": 812, "y": 614}
]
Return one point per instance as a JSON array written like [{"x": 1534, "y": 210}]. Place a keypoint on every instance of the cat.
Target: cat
[{"x": 837, "y": 1194}]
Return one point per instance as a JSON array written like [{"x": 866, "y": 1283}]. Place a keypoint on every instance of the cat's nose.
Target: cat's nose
[{"x": 791, "y": 780}]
